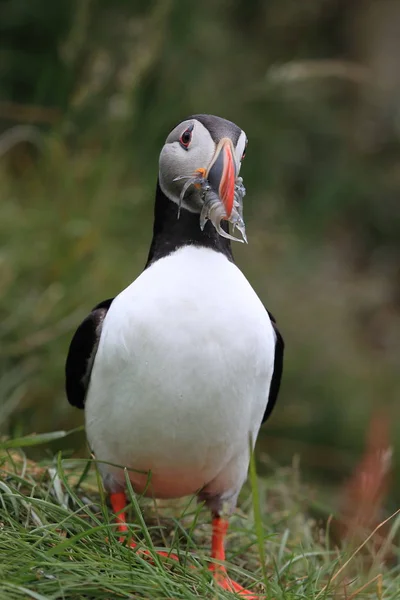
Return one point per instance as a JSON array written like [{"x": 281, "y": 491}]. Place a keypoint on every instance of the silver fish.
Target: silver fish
[{"x": 213, "y": 209}]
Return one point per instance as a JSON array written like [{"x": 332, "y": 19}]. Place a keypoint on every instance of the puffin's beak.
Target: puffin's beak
[{"x": 222, "y": 174}]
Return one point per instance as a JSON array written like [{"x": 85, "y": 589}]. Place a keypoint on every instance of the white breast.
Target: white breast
[{"x": 182, "y": 374}]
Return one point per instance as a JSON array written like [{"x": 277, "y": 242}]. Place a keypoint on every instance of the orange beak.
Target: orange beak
[{"x": 222, "y": 174}]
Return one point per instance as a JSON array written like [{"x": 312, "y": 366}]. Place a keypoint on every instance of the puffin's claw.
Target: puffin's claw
[{"x": 221, "y": 578}]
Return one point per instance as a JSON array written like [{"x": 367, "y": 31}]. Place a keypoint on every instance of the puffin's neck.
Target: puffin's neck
[{"x": 171, "y": 233}]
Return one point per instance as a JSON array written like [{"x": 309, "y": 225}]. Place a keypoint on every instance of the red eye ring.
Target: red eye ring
[{"x": 186, "y": 137}]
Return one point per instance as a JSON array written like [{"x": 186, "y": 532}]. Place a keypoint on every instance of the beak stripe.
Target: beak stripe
[{"x": 227, "y": 185}]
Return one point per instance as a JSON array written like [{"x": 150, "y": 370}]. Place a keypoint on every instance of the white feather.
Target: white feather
[{"x": 181, "y": 377}]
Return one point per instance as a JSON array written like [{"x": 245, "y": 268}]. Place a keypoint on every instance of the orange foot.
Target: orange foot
[
  {"x": 226, "y": 583},
  {"x": 118, "y": 502},
  {"x": 219, "y": 529},
  {"x": 149, "y": 554}
]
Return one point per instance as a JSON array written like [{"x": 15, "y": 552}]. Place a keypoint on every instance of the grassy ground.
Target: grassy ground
[{"x": 58, "y": 540}]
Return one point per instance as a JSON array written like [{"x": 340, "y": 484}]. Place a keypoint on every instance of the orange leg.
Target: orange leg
[
  {"x": 219, "y": 529},
  {"x": 118, "y": 503}
]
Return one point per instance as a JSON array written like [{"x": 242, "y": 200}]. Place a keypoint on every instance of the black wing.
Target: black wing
[
  {"x": 277, "y": 373},
  {"x": 82, "y": 352}
]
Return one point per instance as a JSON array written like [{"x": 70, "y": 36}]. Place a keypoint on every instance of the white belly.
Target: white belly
[{"x": 181, "y": 377}]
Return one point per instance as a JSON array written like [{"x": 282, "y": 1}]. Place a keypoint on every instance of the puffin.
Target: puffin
[{"x": 178, "y": 372}]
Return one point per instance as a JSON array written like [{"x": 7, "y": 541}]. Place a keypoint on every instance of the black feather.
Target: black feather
[
  {"x": 277, "y": 373},
  {"x": 82, "y": 352}
]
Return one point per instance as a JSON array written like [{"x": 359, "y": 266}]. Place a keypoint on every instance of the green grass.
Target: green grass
[{"x": 58, "y": 540}]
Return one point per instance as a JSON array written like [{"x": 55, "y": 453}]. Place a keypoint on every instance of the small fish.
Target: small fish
[{"x": 213, "y": 209}]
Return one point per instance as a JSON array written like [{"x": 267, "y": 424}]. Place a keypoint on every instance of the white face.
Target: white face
[{"x": 189, "y": 148}]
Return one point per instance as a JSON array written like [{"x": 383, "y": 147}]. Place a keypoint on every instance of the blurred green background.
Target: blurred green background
[{"x": 89, "y": 91}]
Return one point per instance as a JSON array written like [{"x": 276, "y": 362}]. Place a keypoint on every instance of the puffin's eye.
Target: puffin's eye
[{"x": 186, "y": 137}]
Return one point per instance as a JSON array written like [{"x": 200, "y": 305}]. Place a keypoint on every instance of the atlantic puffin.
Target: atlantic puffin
[{"x": 178, "y": 372}]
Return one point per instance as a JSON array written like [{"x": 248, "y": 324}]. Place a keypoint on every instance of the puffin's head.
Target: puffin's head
[{"x": 199, "y": 170}]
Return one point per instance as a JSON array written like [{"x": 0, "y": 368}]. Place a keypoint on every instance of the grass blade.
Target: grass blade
[{"x": 36, "y": 439}]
